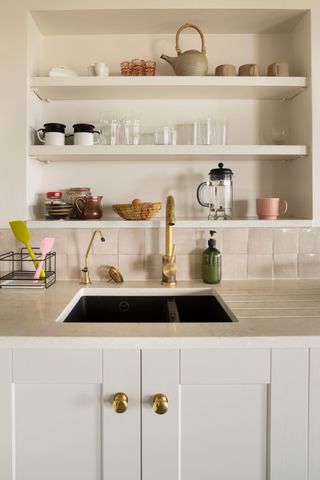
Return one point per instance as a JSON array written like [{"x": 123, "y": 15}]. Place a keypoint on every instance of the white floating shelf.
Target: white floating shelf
[
  {"x": 46, "y": 153},
  {"x": 168, "y": 87},
  {"x": 180, "y": 223}
]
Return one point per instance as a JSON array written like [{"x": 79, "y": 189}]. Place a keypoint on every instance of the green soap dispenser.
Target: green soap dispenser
[{"x": 211, "y": 262}]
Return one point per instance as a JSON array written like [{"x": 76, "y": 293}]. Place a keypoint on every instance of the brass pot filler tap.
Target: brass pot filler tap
[{"x": 169, "y": 267}]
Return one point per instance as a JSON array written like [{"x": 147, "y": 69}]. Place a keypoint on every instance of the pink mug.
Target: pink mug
[{"x": 270, "y": 208}]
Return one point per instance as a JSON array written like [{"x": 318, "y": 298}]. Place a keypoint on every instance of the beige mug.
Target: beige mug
[
  {"x": 270, "y": 208},
  {"x": 226, "y": 70},
  {"x": 249, "y": 70},
  {"x": 278, "y": 69}
]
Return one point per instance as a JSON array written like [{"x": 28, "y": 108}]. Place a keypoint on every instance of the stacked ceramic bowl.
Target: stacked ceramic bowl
[{"x": 56, "y": 208}]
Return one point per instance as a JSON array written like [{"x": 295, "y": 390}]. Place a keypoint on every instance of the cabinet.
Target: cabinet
[
  {"x": 232, "y": 413},
  {"x": 253, "y": 106}
]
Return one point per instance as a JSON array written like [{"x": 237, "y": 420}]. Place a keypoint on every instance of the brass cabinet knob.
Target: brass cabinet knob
[
  {"x": 160, "y": 404},
  {"x": 120, "y": 402}
]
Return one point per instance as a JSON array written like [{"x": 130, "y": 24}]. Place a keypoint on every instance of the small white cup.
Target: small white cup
[
  {"x": 51, "y": 138},
  {"x": 91, "y": 71},
  {"x": 101, "y": 69},
  {"x": 85, "y": 138}
]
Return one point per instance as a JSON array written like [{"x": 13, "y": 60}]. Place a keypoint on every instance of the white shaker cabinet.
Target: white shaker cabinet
[
  {"x": 206, "y": 413},
  {"x": 234, "y": 413}
]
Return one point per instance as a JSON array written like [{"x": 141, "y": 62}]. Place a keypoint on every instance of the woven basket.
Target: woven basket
[{"x": 137, "y": 210}]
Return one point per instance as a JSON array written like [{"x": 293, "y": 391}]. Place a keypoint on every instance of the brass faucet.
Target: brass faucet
[
  {"x": 169, "y": 267},
  {"x": 85, "y": 278}
]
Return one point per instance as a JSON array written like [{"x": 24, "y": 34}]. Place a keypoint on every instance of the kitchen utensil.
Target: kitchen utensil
[
  {"x": 52, "y": 134},
  {"x": 89, "y": 208},
  {"x": 22, "y": 234},
  {"x": 249, "y": 70},
  {"x": 225, "y": 70},
  {"x": 137, "y": 210},
  {"x": 190, "y": 62},
  {"x": 278, "y": 69},
  {"x": 45, "y": 247},
  {"x": 220, "y": 193},
  {"x": 270, "y": 208}
]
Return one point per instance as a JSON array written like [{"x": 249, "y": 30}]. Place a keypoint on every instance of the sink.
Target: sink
[{"x": 98, "y": 306}]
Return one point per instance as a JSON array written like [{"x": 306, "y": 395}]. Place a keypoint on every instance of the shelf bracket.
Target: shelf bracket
[
  {"x": 35, "y": 91},
  {"x": 287, "y": 99}
]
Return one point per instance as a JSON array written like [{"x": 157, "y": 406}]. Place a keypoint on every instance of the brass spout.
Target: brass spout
[{"x": 85, "y": 278}]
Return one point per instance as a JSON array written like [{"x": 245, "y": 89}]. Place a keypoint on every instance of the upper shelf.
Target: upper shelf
[
  {"x": 106, "y": 20},
  {"x": 47, "y": 153},
  {"x": 98, "y": 88}
]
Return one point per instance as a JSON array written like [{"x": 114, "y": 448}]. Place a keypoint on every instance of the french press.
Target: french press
[{"x": 219, "y": 194}]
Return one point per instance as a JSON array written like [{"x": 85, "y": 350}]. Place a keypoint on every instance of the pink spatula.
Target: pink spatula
[{"x": 45, "y": 247}]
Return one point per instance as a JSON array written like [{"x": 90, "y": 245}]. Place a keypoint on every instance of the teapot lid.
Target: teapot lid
[{"x": 221, "y": 171}]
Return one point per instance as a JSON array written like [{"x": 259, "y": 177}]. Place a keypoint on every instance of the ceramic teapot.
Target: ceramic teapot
[{"x": 190, "y": 62}]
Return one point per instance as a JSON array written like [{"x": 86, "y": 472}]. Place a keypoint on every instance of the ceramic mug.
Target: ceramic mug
[
  {"x": 270, "y": 208},
  {"x": 225, "y": 70},
  {"x": 52, "y": 134},
  {"x": 249, "y": 70},
  {"x": 101, "y": 69},
  {"x": 85, "y": 138},
  {"x": 278, "y": 69}
]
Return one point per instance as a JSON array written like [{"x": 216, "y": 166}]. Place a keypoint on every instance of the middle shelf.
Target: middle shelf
[{"x": 46, "y": 153}]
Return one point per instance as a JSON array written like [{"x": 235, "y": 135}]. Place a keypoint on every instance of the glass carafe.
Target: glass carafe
[{"x": 219, "y": 193}]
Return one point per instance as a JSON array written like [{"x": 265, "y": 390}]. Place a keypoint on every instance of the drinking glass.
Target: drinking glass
[
  {"x": 165, "y": 136},
  {"x": 203, "y": 132},
  {"x": 220, "y": 134}
]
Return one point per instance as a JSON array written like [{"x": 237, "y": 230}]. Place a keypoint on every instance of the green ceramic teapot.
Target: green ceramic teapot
[{"x": 190, "y": 62}]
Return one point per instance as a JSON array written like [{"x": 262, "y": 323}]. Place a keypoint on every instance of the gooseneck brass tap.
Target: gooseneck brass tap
[
  {"x": 85, "y": 278},
  {"x": 168, "y": 260}
]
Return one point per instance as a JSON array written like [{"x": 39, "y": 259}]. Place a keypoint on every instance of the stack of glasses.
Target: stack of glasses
[{"x": 138, "y": 68}]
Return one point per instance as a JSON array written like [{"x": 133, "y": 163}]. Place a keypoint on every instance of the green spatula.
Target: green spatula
[{"x": 22, "y": 233}]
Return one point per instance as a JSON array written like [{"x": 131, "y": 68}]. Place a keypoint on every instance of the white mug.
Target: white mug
[
  {"x": 85, "y": 138},
  {"x": 101, "y": 69},
  {"x": 51, "y": 138}
]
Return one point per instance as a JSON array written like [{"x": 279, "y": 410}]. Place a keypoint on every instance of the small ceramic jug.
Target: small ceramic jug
[
  {"x": 190, "y": 62},
  {"x": 89, "y": 208}
]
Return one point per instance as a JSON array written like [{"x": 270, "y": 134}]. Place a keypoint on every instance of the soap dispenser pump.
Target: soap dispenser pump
[{"x": 211, "y": 261}]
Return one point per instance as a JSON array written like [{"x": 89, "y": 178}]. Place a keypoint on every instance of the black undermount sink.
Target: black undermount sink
[{"x": 148, "y": 309}]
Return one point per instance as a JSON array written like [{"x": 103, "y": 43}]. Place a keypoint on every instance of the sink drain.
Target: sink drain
[{"x": 124, "y": 306}]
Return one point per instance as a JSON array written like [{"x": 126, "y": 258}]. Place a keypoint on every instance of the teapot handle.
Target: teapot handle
[
  {"x": 199, "y": 190},
  {"x": 190, "y": 25}
]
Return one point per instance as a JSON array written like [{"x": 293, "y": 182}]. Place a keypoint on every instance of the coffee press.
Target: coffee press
[{"x": 219, "y": 193}]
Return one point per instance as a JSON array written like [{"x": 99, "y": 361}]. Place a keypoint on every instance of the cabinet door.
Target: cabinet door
[
  {"x": 314, "y": 418},
  {"x": 5, "y": 414},
  {"x": 56, "y": 400},
  {"x": 233, "y": 413}
]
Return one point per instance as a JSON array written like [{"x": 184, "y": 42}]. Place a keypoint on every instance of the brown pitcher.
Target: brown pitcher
[{"x": 89, "y": 208}]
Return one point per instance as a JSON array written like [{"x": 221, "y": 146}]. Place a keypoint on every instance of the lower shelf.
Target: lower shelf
[{"x": 180, "y": 223}]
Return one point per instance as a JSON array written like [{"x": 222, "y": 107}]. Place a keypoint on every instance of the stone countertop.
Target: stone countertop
[{"x": 274, "y": 313}]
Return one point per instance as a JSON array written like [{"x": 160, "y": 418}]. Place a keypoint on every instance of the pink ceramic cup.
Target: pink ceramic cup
[{"x": 270, "y": 208}]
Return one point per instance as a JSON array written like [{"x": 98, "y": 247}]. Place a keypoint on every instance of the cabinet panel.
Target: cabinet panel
[
  {"x": 121, "y": 432},
  {"x": 5, "y": 414},
  {"x": 223, "y": 432},
  {"x": 57, "y": 366},
  {"x": 160, "y": 433},
  {"x": 314, "y": 417},
  {"x": 201, "y": 367},
  {"x": 289, "y": 414},
  {"x": 58, "y": 433}
]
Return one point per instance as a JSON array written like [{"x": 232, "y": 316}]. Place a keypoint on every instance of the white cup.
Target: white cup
[
  {"x": 101, "y": 69},
  {"x": 85, "y": 138},
  {"x": 91, "y": 71},
  {"x": 51, "y": 138}
]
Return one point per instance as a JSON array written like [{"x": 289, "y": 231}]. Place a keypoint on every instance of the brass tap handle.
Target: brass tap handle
[
  {"x": 120, "y": 402},
  {"x": 160, "y": 404}
]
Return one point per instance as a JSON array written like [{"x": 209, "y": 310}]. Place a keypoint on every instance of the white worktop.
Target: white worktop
[{"x": 269, "y": 313}]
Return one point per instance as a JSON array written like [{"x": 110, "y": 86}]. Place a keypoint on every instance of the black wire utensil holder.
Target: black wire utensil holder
[{"x": 17, "y": 269}]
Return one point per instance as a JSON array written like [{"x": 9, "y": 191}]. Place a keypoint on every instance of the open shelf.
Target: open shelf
[
  {"x": 168, "y": 87},
  {"x": 252, "y": 222},
  {"x": 46, "y": 153}
]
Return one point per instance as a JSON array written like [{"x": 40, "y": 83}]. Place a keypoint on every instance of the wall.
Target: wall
[{"x": 247, "y": 253}]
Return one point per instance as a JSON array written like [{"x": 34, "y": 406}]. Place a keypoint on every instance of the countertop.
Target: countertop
[{"x": 276, "y": 313}]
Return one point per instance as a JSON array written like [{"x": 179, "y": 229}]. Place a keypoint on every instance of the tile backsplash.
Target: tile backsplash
[{"x": 246, "y": 253}]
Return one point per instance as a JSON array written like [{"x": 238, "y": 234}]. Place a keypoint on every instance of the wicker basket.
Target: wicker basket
[{"x": 137, "y": 210}]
